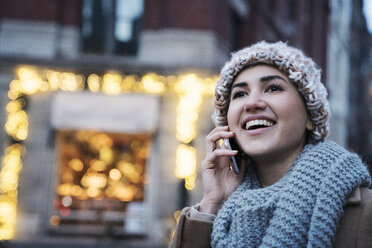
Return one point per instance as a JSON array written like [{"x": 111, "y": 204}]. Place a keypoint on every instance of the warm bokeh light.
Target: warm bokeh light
[
  {"x": 71, "y": 82},
  {"x": 15, "y": 106},
  {"x": 76, "y": 191},
  {"x": 115, "y": 174},
  {"x": 185, "y": 161},
  {"x": 106, "y": 154},
  {"x": 93, "y": 192},
  {"x": 153, "y": 83},
  {"x": 76, "y": 164},
  {"x": 94, "y": 181},
  {"x": 8, "y": 210},
  {"x": 98, "y": 165},
  {"x": 190, "y": 181},
  {"x": 124, "y": 192},
  {"x": 190, "y": 89},
  {"x": 29, "y": 82},
  {"x": 54, "y": 220},
  {"x": 130, "y": 83},
  {"x": 111, "y": 84},
  {"x": 66, "y": 201},
  {"x": 100, "y": 141},
  {"x": 16, "y": 125},
  {"x": 53, "y": 79},
  {"x": 9, "y": 175},
  {"x": 64, "y": 189},
  {"x": 94, "y": 82}
]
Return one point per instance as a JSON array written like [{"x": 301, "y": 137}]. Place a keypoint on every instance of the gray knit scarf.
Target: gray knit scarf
[{"x": 302, "y": 209}]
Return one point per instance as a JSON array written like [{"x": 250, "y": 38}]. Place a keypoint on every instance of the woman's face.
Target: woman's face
[{"x": 267, "y": 114}]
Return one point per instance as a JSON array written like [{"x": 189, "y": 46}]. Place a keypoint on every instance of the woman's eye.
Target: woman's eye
[
  {"x": 239, "y": 94},
  {"x": 274, "y": 88}
]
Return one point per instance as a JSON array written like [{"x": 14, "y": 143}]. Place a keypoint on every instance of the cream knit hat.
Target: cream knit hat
[{"x": 291, "y": 61}]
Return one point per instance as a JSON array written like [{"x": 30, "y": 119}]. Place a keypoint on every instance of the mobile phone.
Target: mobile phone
[{"x": 230, "y": 145}]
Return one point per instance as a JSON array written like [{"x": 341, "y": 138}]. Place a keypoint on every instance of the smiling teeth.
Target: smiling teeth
[{"x": 258, "y": 123}]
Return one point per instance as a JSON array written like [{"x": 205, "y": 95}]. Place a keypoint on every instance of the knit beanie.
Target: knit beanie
[{"x": 300, "y": 69}]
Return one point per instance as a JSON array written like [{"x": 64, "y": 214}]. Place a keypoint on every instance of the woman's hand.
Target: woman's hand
[{"x": 218, "y": 179}]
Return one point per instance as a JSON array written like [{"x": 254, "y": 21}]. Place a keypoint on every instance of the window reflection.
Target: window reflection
[
  {"x": 127, "y": 12},
  {"x": 111, "y": 26}
]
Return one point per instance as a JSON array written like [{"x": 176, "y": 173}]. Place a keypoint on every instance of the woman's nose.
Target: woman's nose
[{"x": 254, "y": 102}]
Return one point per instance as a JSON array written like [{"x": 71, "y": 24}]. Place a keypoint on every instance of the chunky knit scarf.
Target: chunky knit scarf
[{"x": 302, "y": 209}]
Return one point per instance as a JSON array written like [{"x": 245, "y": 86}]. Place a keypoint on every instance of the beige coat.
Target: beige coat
[{"x": 354, "y": 231}]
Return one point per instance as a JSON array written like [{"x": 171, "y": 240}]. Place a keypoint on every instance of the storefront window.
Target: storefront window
[{"x": 101, "y": 183}]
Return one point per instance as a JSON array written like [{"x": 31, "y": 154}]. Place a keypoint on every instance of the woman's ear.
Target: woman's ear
[{"x": 309, "y": 125}]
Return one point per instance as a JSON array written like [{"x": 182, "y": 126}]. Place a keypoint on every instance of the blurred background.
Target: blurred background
[{"x": 105, "y": 106}]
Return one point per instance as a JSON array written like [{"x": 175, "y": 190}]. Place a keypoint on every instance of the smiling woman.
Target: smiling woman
[{"x": 293, "y": 188}]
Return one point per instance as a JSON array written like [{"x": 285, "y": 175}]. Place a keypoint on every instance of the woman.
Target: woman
[{"x": 293, "y": 188}]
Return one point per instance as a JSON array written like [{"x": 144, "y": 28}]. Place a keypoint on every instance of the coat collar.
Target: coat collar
[{"x": 354, "y": 198}]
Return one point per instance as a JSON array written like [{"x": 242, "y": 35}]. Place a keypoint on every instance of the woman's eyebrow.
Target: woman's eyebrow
[
  {"x": 262, "y": 79},
  {"x": 271, "y": 77},
  {"x": 241, "y": 84}
]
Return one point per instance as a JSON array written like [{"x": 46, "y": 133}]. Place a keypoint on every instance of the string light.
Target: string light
[
  {"x": 111, "y": 84},
  {"x": 11, "y": 165},
  {"x": 153, "y": 83},
  {"x": 185, "y": 161},
  {"x": 190, "y": 89},
  {"x": 94, "y": 83}
]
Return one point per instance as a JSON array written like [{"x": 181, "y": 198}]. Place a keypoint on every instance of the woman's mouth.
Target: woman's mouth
[{"x": 255, "y": 124}]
